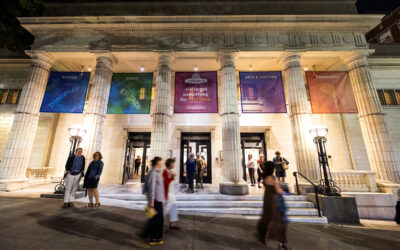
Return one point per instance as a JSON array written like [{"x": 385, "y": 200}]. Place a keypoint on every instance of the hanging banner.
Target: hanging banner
[
  {"x": 196, "y": 92},
  {"x": 330, "y": 92},
  {"x": 130, "y": 93},
  {"x": 262, "y": 92},
  {"x": 65, "y": 92}
]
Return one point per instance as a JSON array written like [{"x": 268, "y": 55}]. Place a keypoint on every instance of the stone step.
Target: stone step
[
  {"x": 206, "y": 197},
  {"x": 228, "y": 204},
  {"x": 250, "y": 211}
]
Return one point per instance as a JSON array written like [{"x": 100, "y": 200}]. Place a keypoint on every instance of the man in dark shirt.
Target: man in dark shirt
[
  {"x": 74, "y": 167},
  {"x": 190, "y": 170}
]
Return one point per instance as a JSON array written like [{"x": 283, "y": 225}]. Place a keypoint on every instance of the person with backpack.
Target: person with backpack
[{"x": 154, "y": 189}]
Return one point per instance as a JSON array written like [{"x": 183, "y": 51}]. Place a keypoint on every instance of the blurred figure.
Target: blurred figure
[
  {"x": 155, "y": 198},
  {"x": 92, "y": 178},
  {"x": 272, "y": 225},
  {"x": 397, "y": 217},
  {"x": 74, "y": 167},
  {"x": 169, "y": 189},
  {"x": 190, "y": 170},
  {"x": 260, "y": 169},
  {"x": 280, "y": 163},
  {"x": 201, "y": 166},
  {"x": 137, "y": 164},
  {"x": 251, "y": 166}
]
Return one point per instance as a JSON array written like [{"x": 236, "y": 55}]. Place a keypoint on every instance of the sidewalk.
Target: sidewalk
[{"x": 37, "y": 223}]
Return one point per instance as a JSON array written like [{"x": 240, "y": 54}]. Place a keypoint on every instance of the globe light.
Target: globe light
[
  {"x": 319, "y": 131},
  {"x": 81, "y": 132},
  {"x": 73, "y": 131}
]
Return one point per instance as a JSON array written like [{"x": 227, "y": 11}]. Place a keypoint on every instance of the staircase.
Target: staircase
[{"x": 250, "y": 206}]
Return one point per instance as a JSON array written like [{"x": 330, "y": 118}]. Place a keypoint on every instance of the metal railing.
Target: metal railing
[{"x": 314, "y": 186}]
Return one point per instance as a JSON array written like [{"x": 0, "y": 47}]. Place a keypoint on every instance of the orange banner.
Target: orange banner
[{"x": 330, "y": 92}]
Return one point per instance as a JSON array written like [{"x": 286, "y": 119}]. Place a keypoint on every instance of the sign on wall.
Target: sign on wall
[
  {"x": 130, "y": 93},
  {"x": 196, "y": 92},
  {"x": 330, "y": 92},
  {"x": 262, "y": 92},
  {"x": 65, "y": 92}
]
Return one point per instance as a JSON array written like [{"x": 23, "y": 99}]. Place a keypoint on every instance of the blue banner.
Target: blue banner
[{"x": 65, "y": 92}]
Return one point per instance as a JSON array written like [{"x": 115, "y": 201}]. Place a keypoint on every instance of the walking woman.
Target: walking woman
[
  {"x": 272, "y": 225},
  {"x": 169, "y": 176},
  {"x": 155, "y": 198},
  {"x": 92, "y": 178},
  {"x": 260, "y": 169}
]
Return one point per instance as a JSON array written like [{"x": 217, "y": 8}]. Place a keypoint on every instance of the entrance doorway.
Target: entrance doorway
[
  {"x": 137, "y": 155},
  {"x": 252, "y": 143},
  {"x": 196, "y": 143}
]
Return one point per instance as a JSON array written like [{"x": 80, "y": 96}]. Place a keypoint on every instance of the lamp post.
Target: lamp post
[
  {"x": 75, "y": 138},
  {"x": 327, "y": 185}
]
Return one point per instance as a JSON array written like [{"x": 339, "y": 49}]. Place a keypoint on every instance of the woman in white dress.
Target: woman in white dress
[{"x": 169, "y": 176}]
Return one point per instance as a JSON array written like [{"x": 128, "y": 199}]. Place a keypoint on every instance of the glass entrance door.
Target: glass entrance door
[{"x": 196, "y": 143}]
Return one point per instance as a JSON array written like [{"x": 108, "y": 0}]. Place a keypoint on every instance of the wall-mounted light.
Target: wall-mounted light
[
  {"x": 196, "y": 69},
  {"x": 141, "y": 68},
  {"x": 250, "y": 67},
  {"x": 305, "y": 68},
  {"x": 89, "y": 69}
]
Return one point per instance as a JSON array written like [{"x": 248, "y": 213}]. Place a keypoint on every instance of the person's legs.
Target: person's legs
[
  {"x": 201, "y": 178},
  {"x": 173, "y": 214},
  {"x": 244, "y": 174},
  {"x": 157, "y": 225},
  {"x": 190, "y": 180},
  {"x": 68, "y": 188},
  {"x": 75, "y": 185},
  {"x": 252, "y": 179},
  {"x": 90, "y": 192},
  {"x": 96, "y": 195}
]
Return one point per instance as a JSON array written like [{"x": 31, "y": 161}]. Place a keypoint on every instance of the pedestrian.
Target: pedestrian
[
  {"x": 397, "y": 217},
  {"x": 74, "y": 167},
  {"x": 155, "y": 199},
  {"x": 251, "y": 166},
  {"x": 281, "y": 165},
  {"x": 169, "y": 189},
  {"x": 200, "y": 167},
  {"x": 137, "y": 164},
  {"x": 92, "y": 178},
  {"x": 190, "y": 170},
  {"x": 273, "y": 222},
  {"x": 260, "y": 169}
]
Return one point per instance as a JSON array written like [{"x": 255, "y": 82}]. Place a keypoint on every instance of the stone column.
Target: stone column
[
  {"x": 300, "y": 117},
  {"x": 23, "y": 130},
  {"x": 96, "y": 109},
  {"x": 162, "y": 106},
  {"x": 373, "y": 125},
  {"x": 232, "y": 183}
]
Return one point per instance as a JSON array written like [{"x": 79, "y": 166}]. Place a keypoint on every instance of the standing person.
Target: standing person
[
  {"x": 190, "y": 170},
  {"x": 251, "y": 166},
  {"x": 137, "y": 164},
  {"x": 280, "y": 172},
  {"x": 74, "y": 167},
  {"x": 92, "y": 178},
  {"x": 200, "y": 166},
  {"x": 272, "y": 225},
  {"x": 155, "y": 199},
  {"x": 169, "y": 189},
  {"x": 397, "y": 216},
  {"x": 260, "y": 169}
]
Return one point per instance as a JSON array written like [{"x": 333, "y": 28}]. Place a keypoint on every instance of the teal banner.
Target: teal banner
[{"x": 130, "y": 93}]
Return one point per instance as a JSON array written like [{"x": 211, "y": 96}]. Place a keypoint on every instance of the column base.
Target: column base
[
  {"x": 13, "y": 184},
  {"x": 230, "y": 188}
]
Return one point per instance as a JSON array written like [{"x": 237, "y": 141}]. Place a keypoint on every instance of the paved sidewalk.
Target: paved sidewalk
[{"x": 41, "y": 224}]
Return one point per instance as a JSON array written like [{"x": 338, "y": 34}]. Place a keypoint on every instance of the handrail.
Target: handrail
[{"x": 314, "y": 186}]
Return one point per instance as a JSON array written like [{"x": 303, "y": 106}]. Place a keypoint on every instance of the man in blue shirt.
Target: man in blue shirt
[
  {"x": 74, "y": 168},
  {"x": 190, "y": 170}
]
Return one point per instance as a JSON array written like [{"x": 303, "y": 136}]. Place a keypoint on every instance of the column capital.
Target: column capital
[
  {"x": 356, "y": 58},
  {"x": 226, "y": 58},
  {"x": 291, "y": 59},
  {"x": 165, "y": 58},
  {"x": 41, "y": 58},
  {"x": 104, "y": 59}
]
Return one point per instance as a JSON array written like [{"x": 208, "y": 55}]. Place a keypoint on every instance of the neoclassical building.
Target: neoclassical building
[{"x": 226, "y": 37}]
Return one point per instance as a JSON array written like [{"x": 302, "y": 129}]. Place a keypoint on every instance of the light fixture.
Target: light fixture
[
  {"x": 305, "y": 68},
  {"x": 141, "y": 68},
  {"x": 77, "y": 132},
  {"x": 89, "y": 69},
  {"x": 195, "y": 68},
  {"x": 318, "y": 131},
  {"x": 250, "y": 67}
]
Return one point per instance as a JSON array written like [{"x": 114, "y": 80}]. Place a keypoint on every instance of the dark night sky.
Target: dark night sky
[{"x": 377, "y": 6}]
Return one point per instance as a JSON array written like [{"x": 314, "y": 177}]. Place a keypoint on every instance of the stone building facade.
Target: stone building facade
[{"x": 292, "y": 39}]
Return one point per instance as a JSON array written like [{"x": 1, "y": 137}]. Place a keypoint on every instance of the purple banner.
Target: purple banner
[
  {"x": 262, "y": 92},
  {"x": 196, "y": 92}
]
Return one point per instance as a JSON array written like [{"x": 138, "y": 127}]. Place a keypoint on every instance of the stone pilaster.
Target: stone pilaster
[
  {"x": 23, "y": 130},
  {"x": 96, "y": 109},
  {"x": 162, "y": 106},
  {"x": 373, "y": 125},
  {"x": 300, "y": 117},
  {"x": 232, "y": 183}
]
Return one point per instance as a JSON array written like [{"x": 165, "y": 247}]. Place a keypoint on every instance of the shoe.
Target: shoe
[
  {"x": 156, "y": 242},
  {"x": 65, "y": 205},
  {"x": 259, "y": 185},
  {"x": 174, "y": 227},
  {"x": 71, "y": 204},
  {"x": 252, "y": 185}
]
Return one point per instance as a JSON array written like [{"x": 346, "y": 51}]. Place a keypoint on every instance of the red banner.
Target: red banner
[{"x": 330, "y": 92}]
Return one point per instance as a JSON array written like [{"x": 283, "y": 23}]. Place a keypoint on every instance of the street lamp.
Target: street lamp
[
  {"x": 327, "y": 185},
  {"x": 75, "y": 138}
]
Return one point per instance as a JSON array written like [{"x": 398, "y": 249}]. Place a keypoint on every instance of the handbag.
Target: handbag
[{"x": 284, "y": 165}]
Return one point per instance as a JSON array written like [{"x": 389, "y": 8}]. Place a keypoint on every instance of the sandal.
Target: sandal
[
  {"x": 97, "y": 205},
  {"x": 90, "y": 205}
]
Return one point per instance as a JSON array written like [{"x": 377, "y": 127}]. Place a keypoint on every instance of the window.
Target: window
[
  {"x": 9, "y": 96},
  {"x": 389, "y": 97}
]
